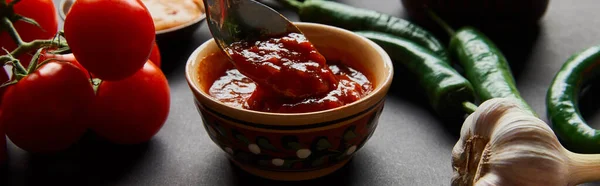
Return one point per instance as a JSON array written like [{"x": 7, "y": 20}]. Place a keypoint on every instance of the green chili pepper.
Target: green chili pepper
[
  {"x": 561, "y": 101},
  {"x": 484, "y": 65},
  {"x": 447, "y": 90},
  {"x": 351, "y": 18}
]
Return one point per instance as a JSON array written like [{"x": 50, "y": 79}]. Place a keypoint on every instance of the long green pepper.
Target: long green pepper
[
  {"x": 562, "y": 98},
  {"x": 446, "y": 89},
  {"x": 356, "y": 19},
  {"x": 484, "y": 64}
]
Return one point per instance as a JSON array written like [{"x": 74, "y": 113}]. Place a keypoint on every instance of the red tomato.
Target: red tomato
[
  {"x": 131, "y": 110},
  {"x": 155, "y": 55},
  {"x": 45, "y": 111},
  {"x": 2, "y": 144},
  {"x": 112, "y": 38},
  {"x": 44, "y": 13},
  {"x": 3, "y": 79},
  {"x": 64, "y": 58}
]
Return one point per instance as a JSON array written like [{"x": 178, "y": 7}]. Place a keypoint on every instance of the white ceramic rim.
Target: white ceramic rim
[
  {"x": 383, "y": 86},
  {"x": 63, "y": 14}
]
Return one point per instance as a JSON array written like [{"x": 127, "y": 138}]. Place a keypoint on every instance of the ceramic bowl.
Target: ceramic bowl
[{"x": 295, "y": 146}]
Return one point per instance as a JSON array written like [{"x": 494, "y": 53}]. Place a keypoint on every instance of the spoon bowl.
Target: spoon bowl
[{"x": 230, "y": 21}]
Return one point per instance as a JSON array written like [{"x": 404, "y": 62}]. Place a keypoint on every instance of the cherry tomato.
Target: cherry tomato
[
  {"x": 2, "y": 144},
  {"x": 44, "y": 13},
  {"x": 155, "y": 55},
  {"x": 3, "y": 79},
  {"x": 131, "y": 110},
  {"x": 45, "y": 111},
  {"x": 64, "y": 58},
  {"x": 111, "y": 39}
]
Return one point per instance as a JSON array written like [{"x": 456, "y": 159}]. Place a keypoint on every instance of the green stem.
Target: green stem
[
  {"x": 95, "y": 83},
  {"x": 36, "y": 44},
  {"x": 27, "y": 47},
  {"x": 4, "y": 59},
  {"x": 12, "y": 31},
  {"x": 440, "y": 22},
  {"x": 13, "y": 2},
  {"x": 20, "y": 68},
  {"x": 292, "y": 4},
  {"x": 469, "y": 107}
]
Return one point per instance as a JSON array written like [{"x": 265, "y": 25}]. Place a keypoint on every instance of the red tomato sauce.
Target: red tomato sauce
[
  {"x": 289, "y": 66},
  {"x": 236, "y": 90},
  {"x": 283, "y": 75}
]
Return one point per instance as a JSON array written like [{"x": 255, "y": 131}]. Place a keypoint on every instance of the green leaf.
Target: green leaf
[
  {"x": 294, "y": 145},
  {"x": 288, "y": 164},
  {"x": 96, "y": 84},
  {"x": 265, "y": 143},
  {"x": 61, "y": 50},
  {"x": 290, "y": 142},
  {"x": 9, "y": 83},
  {"x": 240, "y": 137},
  {"x": 319, "y": 161},
  {"x": 34, "y": 61},
  {"x": 340, "y": 156},
  {"x": 264, "y": 163},
  {"x": 323, "y": 144},
  {"x": 28, "y": 20},
  {"x": 349, "y": 134}
]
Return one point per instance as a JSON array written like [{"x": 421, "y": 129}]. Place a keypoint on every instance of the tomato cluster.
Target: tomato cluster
[{"x": 111, "y": 83}]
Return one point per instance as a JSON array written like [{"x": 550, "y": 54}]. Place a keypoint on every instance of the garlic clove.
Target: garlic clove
[{"x": 502, "y": 144}]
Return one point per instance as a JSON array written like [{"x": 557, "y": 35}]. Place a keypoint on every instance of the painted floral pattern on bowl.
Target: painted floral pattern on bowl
[{"x": 300, "y": 148}]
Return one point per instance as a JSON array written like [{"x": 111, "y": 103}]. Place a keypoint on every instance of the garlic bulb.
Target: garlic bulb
[{"x": 501, "y": 144}]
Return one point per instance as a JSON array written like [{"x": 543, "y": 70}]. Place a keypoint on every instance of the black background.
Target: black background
[{"x": 410, "y": 147}]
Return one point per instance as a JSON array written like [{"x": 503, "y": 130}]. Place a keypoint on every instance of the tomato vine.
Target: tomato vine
[
  {"x": 72, "y": 87},
  {"x": 6, "y": 25}
]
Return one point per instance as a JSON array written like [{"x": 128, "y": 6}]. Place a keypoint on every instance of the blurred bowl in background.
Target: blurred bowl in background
[{"x": 480, "y": 12}]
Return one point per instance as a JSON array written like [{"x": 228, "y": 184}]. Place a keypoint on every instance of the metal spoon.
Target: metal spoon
[{"x": 230, "y": 21}]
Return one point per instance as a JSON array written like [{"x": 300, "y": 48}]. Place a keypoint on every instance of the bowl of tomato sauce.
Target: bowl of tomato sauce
[{"x": 291, "y": 107}]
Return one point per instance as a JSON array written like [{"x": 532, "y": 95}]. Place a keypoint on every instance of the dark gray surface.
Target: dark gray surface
[{"x": 410, "y": 147}]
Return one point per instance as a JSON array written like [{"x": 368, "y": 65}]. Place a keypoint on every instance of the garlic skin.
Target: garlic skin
[{"x": 502, "y": 144}]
